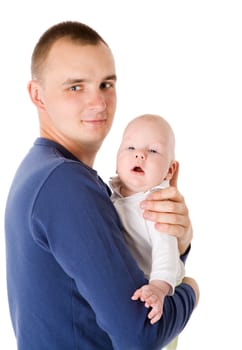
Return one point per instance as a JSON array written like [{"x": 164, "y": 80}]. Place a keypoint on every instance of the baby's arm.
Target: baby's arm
[{"x": 153, "y": 295}]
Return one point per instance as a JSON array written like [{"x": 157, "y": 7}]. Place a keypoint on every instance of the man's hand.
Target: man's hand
[{"x": 167, "y": 208}]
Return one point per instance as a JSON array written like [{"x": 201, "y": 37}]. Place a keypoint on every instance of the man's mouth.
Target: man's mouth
[{"x": 94, "y": 122}]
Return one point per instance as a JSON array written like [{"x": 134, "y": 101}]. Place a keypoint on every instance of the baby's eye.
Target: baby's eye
[
  {"x": 152, "y": 150},
  {"x": 131, "y": 148}
]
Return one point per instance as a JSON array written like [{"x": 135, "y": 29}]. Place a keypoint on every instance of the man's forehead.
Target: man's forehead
[{"x": 82, "y": 62}]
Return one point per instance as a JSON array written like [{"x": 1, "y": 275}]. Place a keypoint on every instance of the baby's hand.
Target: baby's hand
[{"x": 153, "y": 295}]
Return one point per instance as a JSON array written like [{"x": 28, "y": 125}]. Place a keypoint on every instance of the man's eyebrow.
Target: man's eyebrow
[
  {"x": 71, "y": 81},
  {"x": 111, "y": 77}
]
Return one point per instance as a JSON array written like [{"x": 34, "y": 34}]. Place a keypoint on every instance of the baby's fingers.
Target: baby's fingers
[
  {"x": 136, "y": 295},
  {"x": 155, "y": 314},
  {"x": 151, "y": 300},
  {"x": 142, "y": 293}
]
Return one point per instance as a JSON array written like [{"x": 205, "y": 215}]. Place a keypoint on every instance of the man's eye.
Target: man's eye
[
  {"x": 106, "y": 85},
  {"x": 75, "y": 88}
]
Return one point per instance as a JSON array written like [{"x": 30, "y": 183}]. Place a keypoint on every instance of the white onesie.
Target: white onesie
[{"x": 156, "y": 253}]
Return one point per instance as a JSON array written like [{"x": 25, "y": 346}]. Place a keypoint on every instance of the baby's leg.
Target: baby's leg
[{"x": 173, "y": 344}]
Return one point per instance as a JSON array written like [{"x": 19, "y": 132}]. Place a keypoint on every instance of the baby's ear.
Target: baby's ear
[{"x": 173, "y": 172}]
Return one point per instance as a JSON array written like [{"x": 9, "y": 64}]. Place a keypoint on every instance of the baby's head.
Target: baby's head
[{"x": 146, "y": 155}]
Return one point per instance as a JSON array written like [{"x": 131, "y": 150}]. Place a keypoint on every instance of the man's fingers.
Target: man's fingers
[{"x": 170, "y": 193}]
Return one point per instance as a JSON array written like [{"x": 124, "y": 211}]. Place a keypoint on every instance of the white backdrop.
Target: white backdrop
[{"x": 180, "y": 59}]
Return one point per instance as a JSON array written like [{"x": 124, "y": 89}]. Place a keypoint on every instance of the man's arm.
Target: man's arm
[{"x": 87, "y": 241}]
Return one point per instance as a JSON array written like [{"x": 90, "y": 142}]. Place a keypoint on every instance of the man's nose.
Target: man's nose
[{"x": 97, "y": 102}]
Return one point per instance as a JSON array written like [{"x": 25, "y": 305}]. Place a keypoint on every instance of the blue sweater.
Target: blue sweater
[{"x": 70, "y": 275}]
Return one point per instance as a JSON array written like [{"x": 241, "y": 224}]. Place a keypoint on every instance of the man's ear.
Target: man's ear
[
  {"x": 34, "y": 90},
  {"x": 173, "y": 173}
]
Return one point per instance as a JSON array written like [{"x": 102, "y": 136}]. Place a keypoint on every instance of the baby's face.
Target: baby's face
[{"x": 144, "y": 156}]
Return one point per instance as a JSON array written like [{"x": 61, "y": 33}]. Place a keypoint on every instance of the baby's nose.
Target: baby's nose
[{"x": 140, "y": 155}]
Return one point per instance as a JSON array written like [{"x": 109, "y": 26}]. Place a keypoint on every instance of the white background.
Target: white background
[{"x": 180, "y": 59}]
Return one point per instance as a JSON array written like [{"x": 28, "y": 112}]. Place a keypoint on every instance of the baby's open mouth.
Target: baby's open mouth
[{"x": 138, "y": 169}]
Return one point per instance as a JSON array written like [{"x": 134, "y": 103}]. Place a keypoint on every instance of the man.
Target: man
[{"x": 70, "y": 274}]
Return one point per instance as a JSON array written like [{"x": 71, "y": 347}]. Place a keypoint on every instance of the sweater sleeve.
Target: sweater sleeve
[{"x": 74, "y": 219}]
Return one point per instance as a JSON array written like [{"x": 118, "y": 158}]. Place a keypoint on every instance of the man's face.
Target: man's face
[{"x": 78, "y": 94}]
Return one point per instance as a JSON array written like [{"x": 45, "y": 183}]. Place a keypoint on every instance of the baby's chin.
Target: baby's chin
[{"x": 140, "y": 189}]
